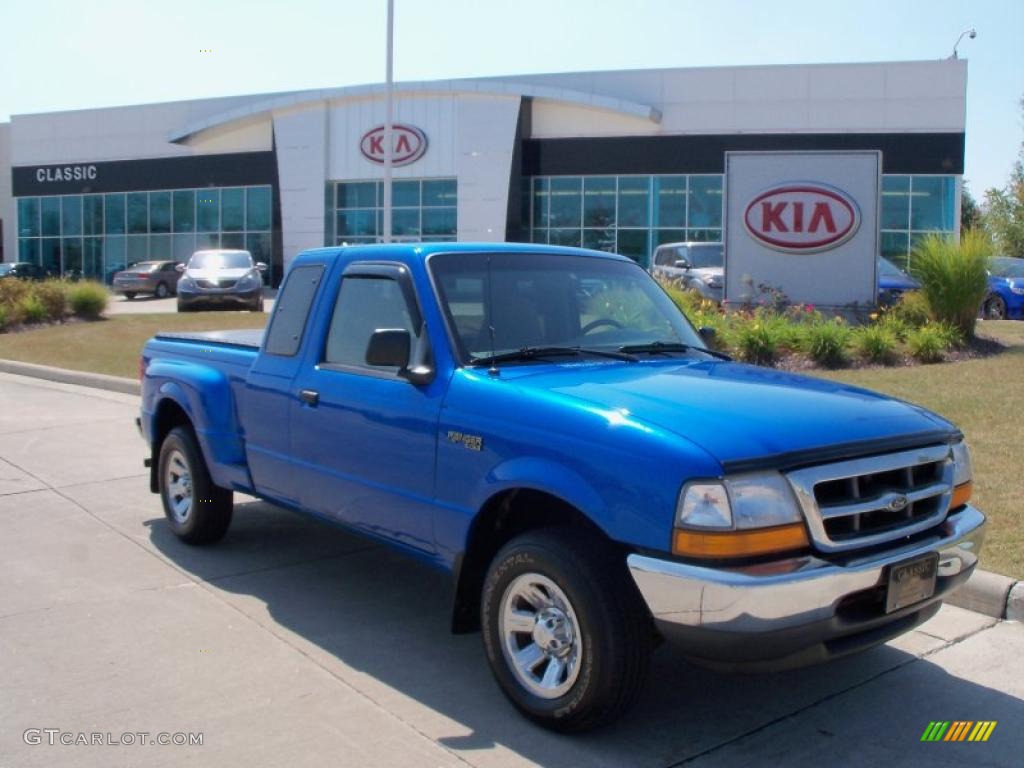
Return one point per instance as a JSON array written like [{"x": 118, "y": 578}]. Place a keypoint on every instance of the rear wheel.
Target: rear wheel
[
  {"x": 198, "y": 511},
  {"x": 565, "y": 632},
  {"x": 994, "y": 308},
  {"x": 129, "y": 295}
]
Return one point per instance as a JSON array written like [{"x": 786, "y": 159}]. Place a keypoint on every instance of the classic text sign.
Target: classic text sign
[
  {"x": 804, "y": 224},
  {"x": 408, "y": 144}
]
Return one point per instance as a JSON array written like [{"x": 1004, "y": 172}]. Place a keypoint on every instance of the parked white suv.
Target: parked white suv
[{"x": 698, "y": 266}]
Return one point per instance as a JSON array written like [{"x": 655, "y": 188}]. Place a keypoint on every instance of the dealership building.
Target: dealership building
[{"x": 619, "y": 161}]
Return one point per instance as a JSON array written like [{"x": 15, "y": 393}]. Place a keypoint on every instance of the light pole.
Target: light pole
[
  {"x": 969, "y": 32},
  {"x": 389, "y": 119}
]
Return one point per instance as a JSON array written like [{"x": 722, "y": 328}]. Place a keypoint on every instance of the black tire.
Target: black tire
[
  {"x": 182, "y": 466},
  {"x": 161, "y": 291},
  {"x": 129, "y": 295},
  {"x": 615, "y": 632},
  {"x": 183, "y": 308},
  {"x": 994, "y": 308},
  {"x": 258, "y": 306}
]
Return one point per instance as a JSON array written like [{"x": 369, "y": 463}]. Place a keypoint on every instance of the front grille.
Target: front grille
[
  {"x": 868, "y": 501},
  {"x": 215, "y": 284}
]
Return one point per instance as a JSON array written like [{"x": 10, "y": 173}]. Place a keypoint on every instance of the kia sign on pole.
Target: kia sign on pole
[{"x": 803, "y": 223}]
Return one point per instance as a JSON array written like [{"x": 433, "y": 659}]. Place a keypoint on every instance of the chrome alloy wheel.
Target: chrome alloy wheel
[
  {"x": 540, "y": 636},
  {"x": 178, "y": 486}
]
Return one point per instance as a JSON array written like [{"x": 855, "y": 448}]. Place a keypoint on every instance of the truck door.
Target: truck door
[
  {"x": 363, "y": 437},
  {"x": 268, "y": 387}
]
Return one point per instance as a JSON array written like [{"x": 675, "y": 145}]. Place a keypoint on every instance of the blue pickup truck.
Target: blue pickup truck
[{"x": 544, "y": 424}]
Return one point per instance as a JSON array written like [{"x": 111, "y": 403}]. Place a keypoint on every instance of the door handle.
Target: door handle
[{"x": 309, "y": 396}]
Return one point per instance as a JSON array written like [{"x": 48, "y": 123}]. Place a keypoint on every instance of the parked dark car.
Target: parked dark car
[
  {"x": 221, "y": 279},
  {"x": 23, "y": 269},
  {"x": 159, "y": 278},
  {"x": 893, "y": 282},
  {"x": 1005, "y": 299}
]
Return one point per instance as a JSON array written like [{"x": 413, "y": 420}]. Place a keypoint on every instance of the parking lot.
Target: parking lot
[
  {"x": 151, "y": 305},
  {"x": 294, "y": 642}
]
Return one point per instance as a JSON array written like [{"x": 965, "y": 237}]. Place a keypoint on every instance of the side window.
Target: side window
[
  {"x": 665, "y": 257},
  {"x": 292, "y": 309},
  {"x": 365, "y": 304}
]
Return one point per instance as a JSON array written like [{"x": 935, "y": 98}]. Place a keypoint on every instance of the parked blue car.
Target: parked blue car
[
  {"x": 1005, "y": 299},
  {"x": 893, "y": 282}
]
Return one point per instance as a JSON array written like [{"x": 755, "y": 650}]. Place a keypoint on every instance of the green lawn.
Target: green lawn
[
  {"x": 984, "y": 397},
  {"x": 112, "y": 346}
]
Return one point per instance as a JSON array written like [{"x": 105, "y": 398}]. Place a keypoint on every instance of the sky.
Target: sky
[{"x": 69, "y": 54}]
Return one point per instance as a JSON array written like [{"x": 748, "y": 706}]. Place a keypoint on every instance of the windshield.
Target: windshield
[
  {"x": 220, "y": 260},
  {"x": 6, "y": 268},
  {"x": 710, "y": 255},
  {"x": 887, "y": 269},
  {"x": 1005, "y": 266},
  {"x": 553, "y": 300},
  {"x": 146, "y": 266}
]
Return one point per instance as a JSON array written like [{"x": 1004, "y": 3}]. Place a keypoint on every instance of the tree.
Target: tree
[
  {"x": 970, "y": 213},
  {"x": 1004, "y": 210}
]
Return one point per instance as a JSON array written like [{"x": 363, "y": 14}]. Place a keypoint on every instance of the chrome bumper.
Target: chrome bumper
[{"x": 803, "y": 610}]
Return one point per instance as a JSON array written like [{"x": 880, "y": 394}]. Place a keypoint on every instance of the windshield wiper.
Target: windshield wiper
[
  {"x": 663, "y": 347},
  {"x": 532, "y": 353}
]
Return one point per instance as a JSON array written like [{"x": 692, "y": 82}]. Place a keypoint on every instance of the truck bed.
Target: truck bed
[{"x": 250, "y": 338}]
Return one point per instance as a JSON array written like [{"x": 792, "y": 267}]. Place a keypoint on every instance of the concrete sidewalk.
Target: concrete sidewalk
[{"x": 295, "y": 642}]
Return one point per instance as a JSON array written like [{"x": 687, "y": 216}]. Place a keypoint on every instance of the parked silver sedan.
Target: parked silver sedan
[
  {"x": 698, "y": 266},
  {"x": 159, "y": 278},
  {"x": 221, "y": 279}
]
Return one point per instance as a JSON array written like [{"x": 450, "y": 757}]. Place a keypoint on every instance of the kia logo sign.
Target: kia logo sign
[
  {"x": 408, "y": 144},
  {"x": 802, "y": 217}
]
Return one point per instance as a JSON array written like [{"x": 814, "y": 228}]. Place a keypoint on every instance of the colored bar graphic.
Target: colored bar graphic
[{"x": 958, "y": 730}]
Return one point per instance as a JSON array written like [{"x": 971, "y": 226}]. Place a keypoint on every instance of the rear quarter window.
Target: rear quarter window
[{"x": 284, "y": 337}]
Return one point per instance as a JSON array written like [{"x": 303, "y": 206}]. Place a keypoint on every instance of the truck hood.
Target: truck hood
[{"x": 744, "y": 416}]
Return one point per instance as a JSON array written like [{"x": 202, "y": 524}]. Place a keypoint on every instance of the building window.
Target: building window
[
  {"x": 912, "y": 208},
  {"x": 96, "y": 235},
  {"x": 421, "y": 210},
  {"x": 631, "y": 215}
]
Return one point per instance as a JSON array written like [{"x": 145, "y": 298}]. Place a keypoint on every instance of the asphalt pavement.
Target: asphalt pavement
[
  {"x": 147, "y": 305},
  {"x": 293, "y": 642}
]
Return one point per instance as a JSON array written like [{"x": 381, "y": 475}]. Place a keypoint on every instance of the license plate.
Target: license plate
[{"x": 911, "y": 582}]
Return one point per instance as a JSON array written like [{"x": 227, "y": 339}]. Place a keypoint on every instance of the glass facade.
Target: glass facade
[
  {"x": 633, "y": 215},
  {"x": 422, "y": 210},
  {"x": 912, "y": 207},
  {"x": 97, "y": 235}
]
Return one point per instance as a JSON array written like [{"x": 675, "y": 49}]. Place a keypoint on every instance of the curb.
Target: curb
[
  {"x": 65, "y": 376},
  {"x": 987, "y": 593}
]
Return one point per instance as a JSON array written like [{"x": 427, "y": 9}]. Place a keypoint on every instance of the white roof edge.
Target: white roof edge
[{"x": 496, "y": 87}]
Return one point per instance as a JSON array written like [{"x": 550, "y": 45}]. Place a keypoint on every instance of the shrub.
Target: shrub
[
  {"x": 876, "y": 343},
  {"x": 12, "y": 293},
  {"x": 3, "y": 317},
  {"x": 32, "y": 309},
  {"x": 53, "y": 296},
  {"x": 894, "y": 325},
  {"x": 911, "y": 310},
  {"x": 758, "y": 338},
  {"x": 954, "y": 277},
  {"x": 927, "y": 343},
  {"x": 826, "y": 342},
  {"x": 88, "y": 299}
]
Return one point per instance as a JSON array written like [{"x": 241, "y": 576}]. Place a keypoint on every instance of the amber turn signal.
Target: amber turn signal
[
  {"x": 961, "y": 495},
  {"x": 758, "y": 541}
]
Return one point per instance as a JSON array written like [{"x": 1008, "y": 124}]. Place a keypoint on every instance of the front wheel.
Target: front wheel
[
  {"x": 565, "y": 631},
  {"x": 994, "y": 308},
  {"x": 198, "y": 511},
  {"x": 162, "y": 292}
]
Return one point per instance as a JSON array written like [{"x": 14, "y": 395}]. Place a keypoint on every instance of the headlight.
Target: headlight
[
  {"x": 248, "y": 282},
  {"x": 1018, "y": 289},
  {"x": 186, "y": 283},
  {"x": 712, "y": 281},
  {"x": 742, "y": 516}
]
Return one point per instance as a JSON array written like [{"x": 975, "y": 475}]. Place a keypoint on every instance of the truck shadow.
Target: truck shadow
[{"x": 360, "y": 609}]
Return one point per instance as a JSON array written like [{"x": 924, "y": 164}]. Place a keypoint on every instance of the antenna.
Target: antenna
[{"x": 493, "y": 370}]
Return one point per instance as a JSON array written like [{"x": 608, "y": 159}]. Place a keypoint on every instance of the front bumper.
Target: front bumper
[
  {"x": 757, "y": 617},
  {"x": 219, "y": 298}
]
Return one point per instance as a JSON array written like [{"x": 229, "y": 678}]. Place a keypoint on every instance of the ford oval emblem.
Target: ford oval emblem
[
  {"x": 408, "y": 144},
  {"x": 802, "y": 217},
  {"x": 897, "y": 503}
]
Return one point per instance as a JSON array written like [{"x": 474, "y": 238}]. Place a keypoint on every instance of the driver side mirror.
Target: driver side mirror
[
  {"x": 681, "y": 264},
  {"x": 707, "y": 334},
  {"x": 179, "y": 267},
  {"x": 261, "y": 266},
  {"x": 393, "y": 347}
]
